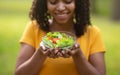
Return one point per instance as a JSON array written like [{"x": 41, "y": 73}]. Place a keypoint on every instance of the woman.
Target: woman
[{"x": 73, "y": 16}]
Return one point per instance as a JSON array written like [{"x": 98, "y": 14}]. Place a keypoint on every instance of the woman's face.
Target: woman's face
[{"x": 62, "y": 11}]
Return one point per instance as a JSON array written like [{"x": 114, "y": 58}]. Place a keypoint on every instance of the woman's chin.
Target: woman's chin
[{"x": 62, "y": 21}]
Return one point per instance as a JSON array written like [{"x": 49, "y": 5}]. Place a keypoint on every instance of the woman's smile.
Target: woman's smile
[{"x": 61, "y": 16}]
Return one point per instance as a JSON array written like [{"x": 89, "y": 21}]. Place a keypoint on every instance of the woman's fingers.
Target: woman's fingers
[
  {"x": 59, "y": 54},
  {"x": 46, "y": 52},
  {"x": 55, "y": 53},
  {"x": 43, "y": 46},
  {"x": 74, "y": 51},
  {"x": 77, "y": 45},
  {"x": 65, "y": 53}
]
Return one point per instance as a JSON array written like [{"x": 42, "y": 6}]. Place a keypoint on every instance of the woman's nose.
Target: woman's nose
[{"x": 61, "y": 6}]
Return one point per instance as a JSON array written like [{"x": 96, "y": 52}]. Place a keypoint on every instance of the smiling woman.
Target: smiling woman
[{"x": 86, "y": 53}]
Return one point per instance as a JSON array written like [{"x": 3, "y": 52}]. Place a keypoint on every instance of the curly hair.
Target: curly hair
[{"x": 82, "y": 15}]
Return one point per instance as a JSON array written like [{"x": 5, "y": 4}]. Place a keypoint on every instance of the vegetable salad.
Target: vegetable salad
[{"x": 58, "y": 40}]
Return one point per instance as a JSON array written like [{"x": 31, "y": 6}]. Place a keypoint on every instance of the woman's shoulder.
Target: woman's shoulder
[
  {"x": 93, "y": 29},
  {"x": 33, "y": 23},
  {"x": 34, "y": 27}
]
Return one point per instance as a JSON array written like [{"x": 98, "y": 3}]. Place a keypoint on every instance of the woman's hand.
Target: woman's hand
[
  {"x": 75, "y": 49},
  {"x": 45, "y": 51},
  {"x": 51, "y": 53},
  {"x": 55, "y": 53},
  {"x": 70, "y": 52}
]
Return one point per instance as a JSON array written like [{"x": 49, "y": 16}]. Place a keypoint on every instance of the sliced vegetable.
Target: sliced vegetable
[{"x": 58, "y": 40}]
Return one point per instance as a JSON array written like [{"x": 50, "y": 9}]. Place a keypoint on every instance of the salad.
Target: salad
[{"x": 58, "y": 40}]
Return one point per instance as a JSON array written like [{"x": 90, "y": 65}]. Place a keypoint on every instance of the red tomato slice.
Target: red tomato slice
[
  {"x": 55, "y": 40},
  {"x": 50, "y": 38}
]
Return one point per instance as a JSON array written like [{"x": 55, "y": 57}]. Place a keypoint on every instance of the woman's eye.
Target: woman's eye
[
  {"x": 53, "y": 1},
  {"x": 68, "y": 1}
]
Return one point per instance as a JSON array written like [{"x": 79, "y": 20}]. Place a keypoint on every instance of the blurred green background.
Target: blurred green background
[{"x": 14, "y": 17}]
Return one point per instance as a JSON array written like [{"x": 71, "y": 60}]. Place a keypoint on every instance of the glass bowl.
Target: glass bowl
[{"x": 59, "y": 39}]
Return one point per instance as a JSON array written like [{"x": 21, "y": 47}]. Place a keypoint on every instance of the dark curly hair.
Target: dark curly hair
[{"x": 82, "y": 15}]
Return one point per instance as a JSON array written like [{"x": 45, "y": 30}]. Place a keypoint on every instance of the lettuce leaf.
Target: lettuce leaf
[{"x": 65, "y": 41}]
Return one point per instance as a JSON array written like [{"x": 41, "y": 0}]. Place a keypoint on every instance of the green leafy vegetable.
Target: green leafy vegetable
[{"x": 58, "y": 40}]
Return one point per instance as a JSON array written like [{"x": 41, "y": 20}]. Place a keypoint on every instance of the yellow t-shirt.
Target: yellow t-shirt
[{"x": 91, "y": 42}]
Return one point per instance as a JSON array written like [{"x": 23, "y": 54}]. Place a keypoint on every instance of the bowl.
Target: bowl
[{"x": 59, "y": 39}]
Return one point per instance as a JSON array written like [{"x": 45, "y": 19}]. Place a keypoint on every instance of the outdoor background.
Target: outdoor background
[{"x": 14, "y": 17}]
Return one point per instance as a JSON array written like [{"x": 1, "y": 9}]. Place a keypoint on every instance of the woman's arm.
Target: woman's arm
[
  {"x": 29, "y": 61},
  {"x": 95, "y": 65}
]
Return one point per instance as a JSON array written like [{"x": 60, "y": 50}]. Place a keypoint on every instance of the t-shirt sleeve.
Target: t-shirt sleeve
[
  {"x": 97, "y": 43},
  {"x": 28, "y": 36}
]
